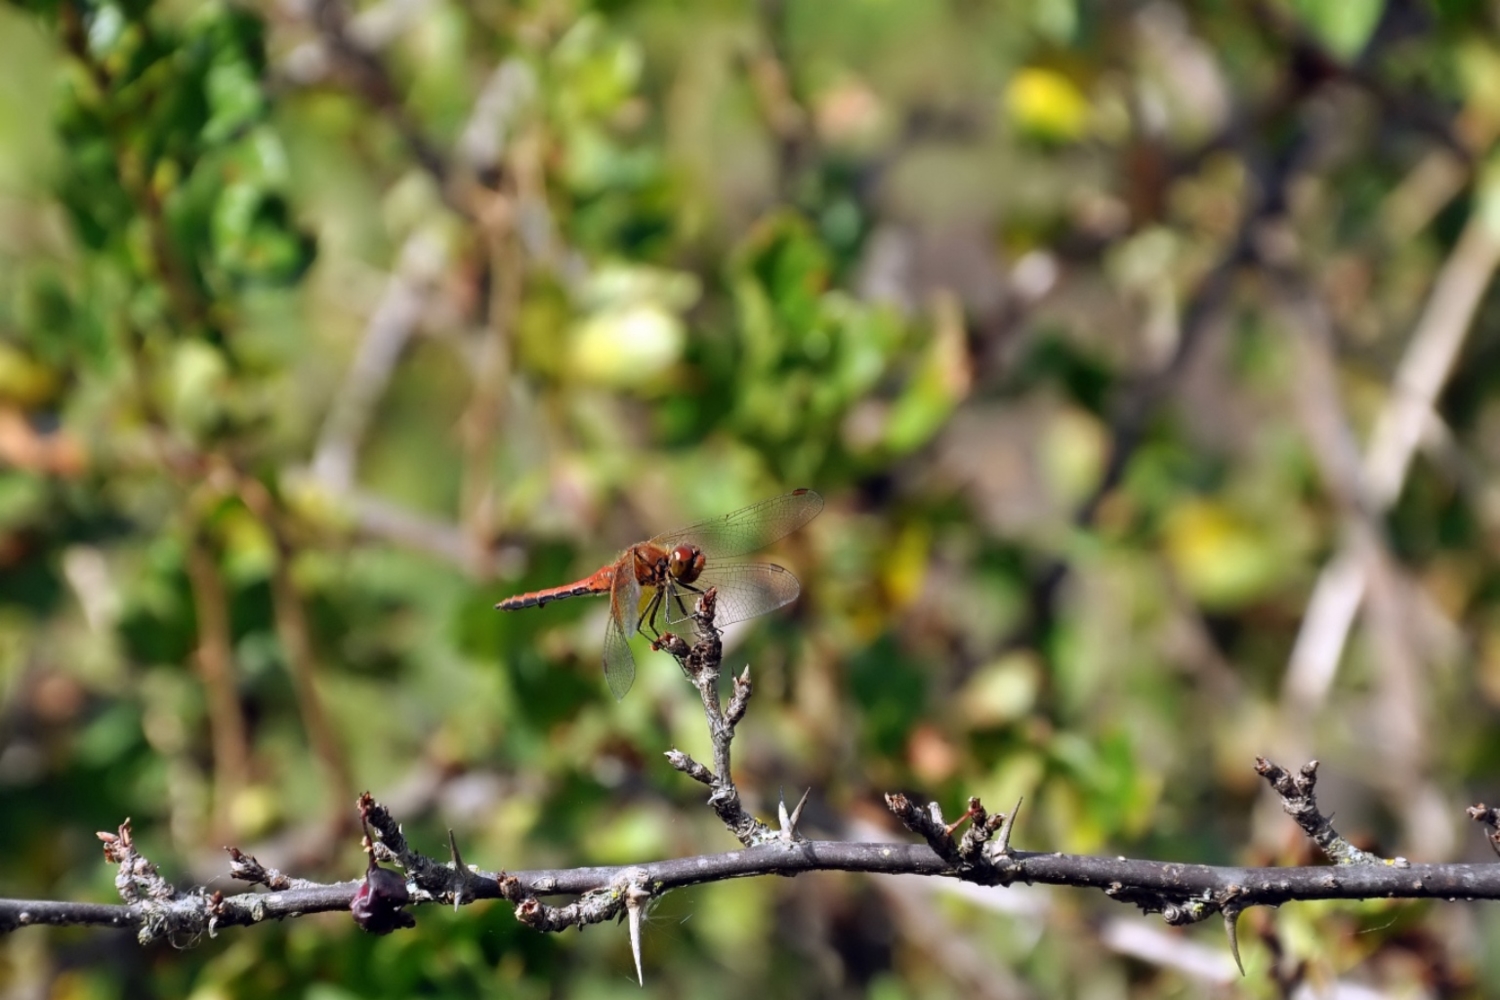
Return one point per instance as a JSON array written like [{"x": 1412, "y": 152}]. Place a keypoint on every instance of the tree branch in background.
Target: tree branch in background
[
  {"x": 1142, "y": 394},
  {"x": 378, "y": 518},
  {"x": 215, "y": 658},
  {"x": 1137, "y": 402},
  {"x": 296, "y": 644},
  {"x": 518, "y": 194},
  {"x": 506, "y": 204},
  {"x": 352, "y": 58},
  {"x": 1399, "y": 429},
  {"x": 391, "y": 325},
  {"x": 1400, "y": 760}
]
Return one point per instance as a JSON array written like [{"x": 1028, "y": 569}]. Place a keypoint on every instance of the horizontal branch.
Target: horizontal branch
[
  {"x": 1251, "y": 886},
  {"x": 983, "y": 855}
]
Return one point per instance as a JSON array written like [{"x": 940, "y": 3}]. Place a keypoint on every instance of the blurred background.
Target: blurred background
[{"x": 1145, "y": 353}]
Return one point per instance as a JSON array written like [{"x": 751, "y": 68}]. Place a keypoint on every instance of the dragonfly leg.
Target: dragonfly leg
[
  {"x": 648, "y": 616},
  {"x": 677, "y": 600}
]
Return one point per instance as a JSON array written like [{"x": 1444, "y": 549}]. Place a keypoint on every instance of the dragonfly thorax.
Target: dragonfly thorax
[{"x": 685, "y": 563}]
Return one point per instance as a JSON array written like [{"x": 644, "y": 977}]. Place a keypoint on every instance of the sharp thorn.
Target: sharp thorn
[
  {"x": 1005, "y": 828},
  {"x": 634, "y": 898},
  {"x": 1231, "y": 927},
  {"x": 458, "y": 861},
  {"x": 781, "y": 813},
  {"x": 635, "y": 943},
  {"x": 460, "y": 871},
  {"x": 797, "y": 812}
]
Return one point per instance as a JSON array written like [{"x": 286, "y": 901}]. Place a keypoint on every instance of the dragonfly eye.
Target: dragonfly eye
[{"x": 686, "y": 563}]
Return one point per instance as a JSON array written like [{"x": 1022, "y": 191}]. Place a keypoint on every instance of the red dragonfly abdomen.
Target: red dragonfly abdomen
[{"x": 597, "y": 583}]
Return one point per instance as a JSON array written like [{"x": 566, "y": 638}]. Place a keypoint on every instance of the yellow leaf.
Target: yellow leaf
[
  {"x": 1046, "y": 104},
  {"x": 1220, "y": 557},
  {"x": 629, "y": 346}
]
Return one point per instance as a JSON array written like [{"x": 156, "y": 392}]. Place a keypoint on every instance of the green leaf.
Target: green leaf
[{"x": 1344, "y": 26}]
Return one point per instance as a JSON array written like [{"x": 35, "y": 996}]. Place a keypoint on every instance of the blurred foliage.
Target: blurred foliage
[{"x": 324, "y": 328}]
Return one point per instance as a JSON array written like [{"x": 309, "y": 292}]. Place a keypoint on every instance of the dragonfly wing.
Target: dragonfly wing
[
  {"x": 745, "y": 590},
  {"x": 749, "y": 528},
  {"x": 619, "y": 664}
]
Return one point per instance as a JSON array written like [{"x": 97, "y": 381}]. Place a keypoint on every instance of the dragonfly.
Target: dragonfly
[{"x": 678, "y": 566}]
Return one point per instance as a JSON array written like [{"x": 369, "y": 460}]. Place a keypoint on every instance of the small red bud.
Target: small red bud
[{"x": 377, "y": 904}]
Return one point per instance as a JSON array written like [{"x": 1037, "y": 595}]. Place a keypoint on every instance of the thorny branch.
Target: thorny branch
[
  {"x": 982, "y": 854},
  {"x": 701, "y": 665},
  {"x": 1182, "y": 892},
  {"x": 1297, "y": 798}
]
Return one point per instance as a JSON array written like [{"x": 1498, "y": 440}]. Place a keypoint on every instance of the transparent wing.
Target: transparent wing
[
  {"x": 745, "y": 590},
  {"x": 749, "y": 528},
  {"x": 619, "y": 664}
]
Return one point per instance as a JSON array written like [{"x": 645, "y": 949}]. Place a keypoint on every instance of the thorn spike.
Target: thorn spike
[
  {"x": 797, "y": 812},
  {"x": 1003, "y": 840},
  {"x": 458, "y": 861},
  {"x": 460, "y": 871},
  {"x": 635, "y": 899},
  {"x": 1231, "y": 928},
  {"x": 635, "y": 943}
]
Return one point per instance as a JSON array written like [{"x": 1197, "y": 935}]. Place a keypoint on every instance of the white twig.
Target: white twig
[
  {"x": 1167, "y": 949},
  {"x": 1428, "y": 361},
  {"x": 1398, "y": 432},
  {"x": 508, "y": 91},
  {"x": 390, "y": 326}
]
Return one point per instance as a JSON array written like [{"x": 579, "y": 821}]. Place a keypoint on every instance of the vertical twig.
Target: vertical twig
[
  {"x": 1402, "y": 752},
  {"x": 296, "y": 643},
  {"x": 490, "y": 372},
  {"x": 390, "y": 327},
  {"x": 292, "y": 630},
  {"x": 215, "y": 659},
  {"x": 1429, "y": 358},
  {"x": 702, "y": 664}
]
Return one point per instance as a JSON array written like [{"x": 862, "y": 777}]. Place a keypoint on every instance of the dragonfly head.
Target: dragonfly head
[{"x": 685, "y": 563}]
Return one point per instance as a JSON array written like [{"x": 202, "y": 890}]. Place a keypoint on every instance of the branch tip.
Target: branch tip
[
  {"x": 1490, "y": 817},
  {"x": 1299, "y": 802},
  {"x": 247, "y": 868},
  {"x": 690, "y": 767}
]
